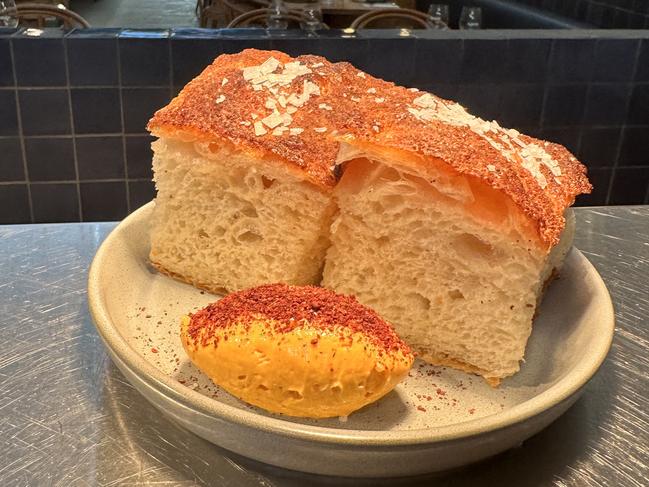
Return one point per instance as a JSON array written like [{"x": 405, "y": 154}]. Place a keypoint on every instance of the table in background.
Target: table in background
[
  {"x": 337, "y": 14},
  {"x": 346, "y": 7},
  {"x": 69, "y": 418}
]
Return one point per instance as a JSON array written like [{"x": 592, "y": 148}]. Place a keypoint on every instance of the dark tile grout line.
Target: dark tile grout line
[
  {"x": 546, "y": 87},
  {"x": 495, "y": 82},
  {"x": 580, "y": 134},
  {"x": 618, "y": 149},
  {"x": 84, "y": 136},
  {"x": 121, "y": 115},
  {"x": 74, "y": 181},
  {"x": 171, "y": 68},
  {"x": 72, "y": 130},
  {"x": 19, "y": 119},
  {"x": 83, "y": 87}
]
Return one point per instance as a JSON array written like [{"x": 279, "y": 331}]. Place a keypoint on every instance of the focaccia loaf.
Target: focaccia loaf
[{"x": 446, "y": 224}]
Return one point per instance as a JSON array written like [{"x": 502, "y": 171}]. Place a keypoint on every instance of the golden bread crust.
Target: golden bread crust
[
  {"x": 186, "y": 279},
  {"x": 442, "y": 360},
  {"x": 354, "y": 108}
]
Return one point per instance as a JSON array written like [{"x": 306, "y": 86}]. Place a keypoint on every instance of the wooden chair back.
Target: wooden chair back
[
  {"x": 37, "y": 15},
  {"x": 397, "y": 18},
  {"x": 259, "y": 17}
]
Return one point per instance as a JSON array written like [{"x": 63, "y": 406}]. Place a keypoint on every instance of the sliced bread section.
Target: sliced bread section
[
  {"x": 450, "y": 262},
  {"x": 224, "y": 222}
]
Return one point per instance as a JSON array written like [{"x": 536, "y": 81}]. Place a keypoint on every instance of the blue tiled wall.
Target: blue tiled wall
[
  {"x": 615, "y": 14},
  {"x": 73, "y": 106}
]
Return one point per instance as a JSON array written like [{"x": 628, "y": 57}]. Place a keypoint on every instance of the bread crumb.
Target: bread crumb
[
  {"x": 220, "y": 99},
  {"x": 355, "y": 98},
  {"x": 224, "y": 81},
  {"x": 379, "y": 100},
  {"x": 491, "y": 167},
  {"x": 320, "y": 129},
  {"x": 371, "y": 90},
  {"x": 324, "y": 106},
  {"x": 361, "y": 74},
  {"x": 317, "y": 65},
  {"x": 296, "y": 131}
]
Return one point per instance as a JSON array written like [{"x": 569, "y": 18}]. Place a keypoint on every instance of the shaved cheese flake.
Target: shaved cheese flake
[
  {"x": 251, "y": 73},
  {"x": 269, "y": 65},
  {"x": 272, "y": 120},
  {"x": 259, "y": 129},
  {"x": 286, "y": 119}
]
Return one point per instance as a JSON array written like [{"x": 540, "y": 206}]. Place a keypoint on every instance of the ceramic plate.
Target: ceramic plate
[{"x": 436, "y": 419}]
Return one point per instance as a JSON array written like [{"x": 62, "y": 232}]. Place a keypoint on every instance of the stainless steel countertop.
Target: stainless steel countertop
[{"x": 69, "y": 418}]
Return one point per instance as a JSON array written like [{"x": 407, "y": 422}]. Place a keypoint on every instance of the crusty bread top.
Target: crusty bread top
[
  {"x": 221, "y": 105},
  {"x": 298, "y": 110}
]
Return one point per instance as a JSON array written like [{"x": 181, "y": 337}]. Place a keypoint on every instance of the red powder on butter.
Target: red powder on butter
[{"x": 290, "y": 307}]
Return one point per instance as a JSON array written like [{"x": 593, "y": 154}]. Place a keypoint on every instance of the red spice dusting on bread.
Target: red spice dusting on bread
[
  {"x": 291, "y": 307},
  {"x": 276, "y": 106}
]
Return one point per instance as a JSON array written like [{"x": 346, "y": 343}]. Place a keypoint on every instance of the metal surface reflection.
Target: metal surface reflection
[{"x": 68, "y": 417}]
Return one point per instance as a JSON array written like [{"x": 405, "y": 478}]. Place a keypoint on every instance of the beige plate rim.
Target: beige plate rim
[{"x": 200, "y": 404}]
